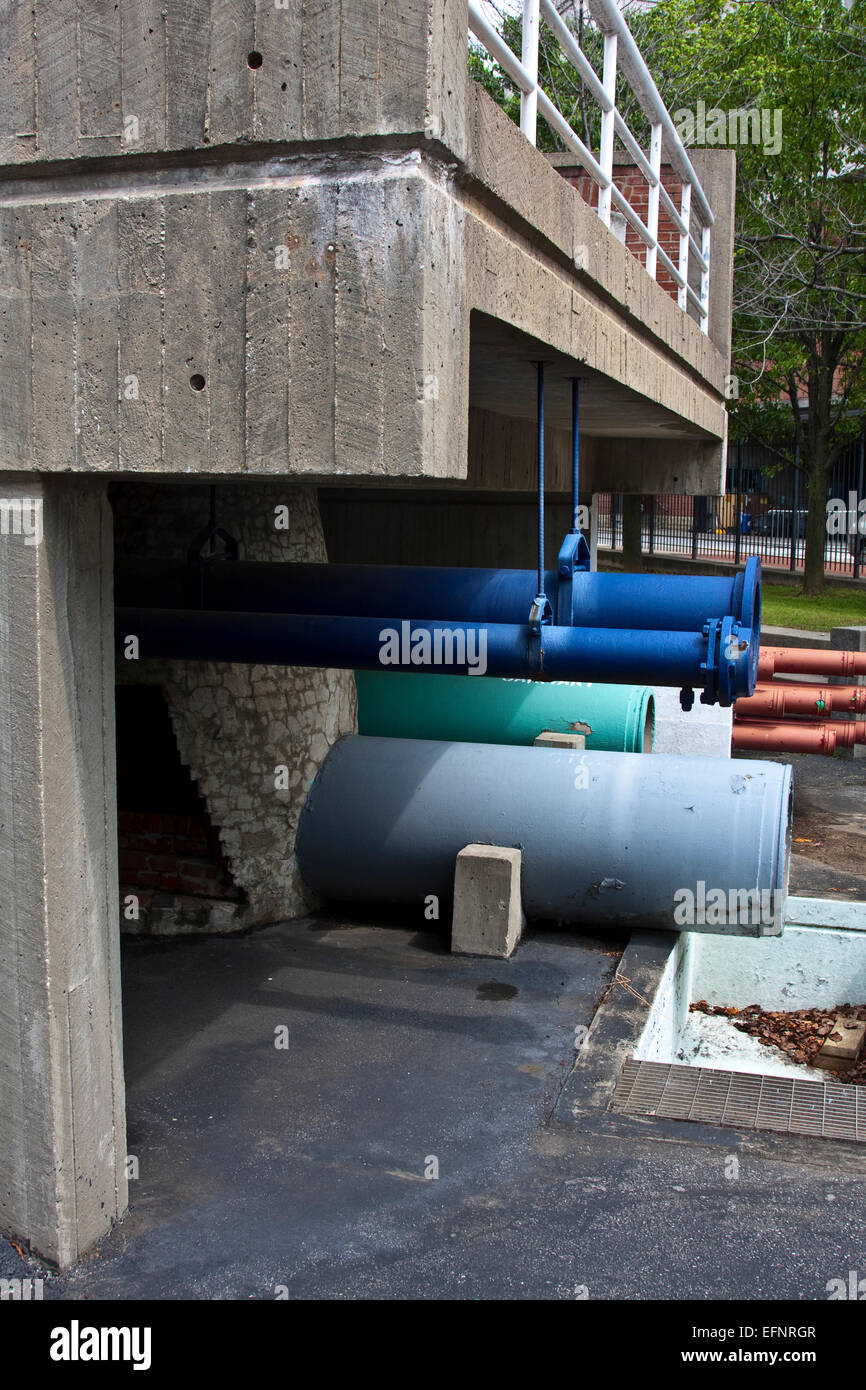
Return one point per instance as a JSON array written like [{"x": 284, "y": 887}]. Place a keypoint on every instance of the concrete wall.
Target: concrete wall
[
  {"x": 427, "y": 528},
  {"x": 704, "y": 731},
  {"x": 80, "y": 73},
  {"x": 235, "y": 725}
]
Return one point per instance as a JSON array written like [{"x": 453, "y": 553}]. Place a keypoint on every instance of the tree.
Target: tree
[{"x": 799, "y": 348}]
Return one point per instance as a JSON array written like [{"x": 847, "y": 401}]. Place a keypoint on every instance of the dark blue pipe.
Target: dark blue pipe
[
  {"x": 620, "y": 656},
  {"x": 659, "y": 602}
]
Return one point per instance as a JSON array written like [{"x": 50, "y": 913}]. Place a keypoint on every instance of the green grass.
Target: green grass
[{"x": 785, "y": 605}]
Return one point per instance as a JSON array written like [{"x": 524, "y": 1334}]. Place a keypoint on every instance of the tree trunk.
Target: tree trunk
[{"x": 814, "y": 581}]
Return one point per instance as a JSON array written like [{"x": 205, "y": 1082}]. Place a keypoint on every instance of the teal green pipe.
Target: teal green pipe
[{"x": 481, "y": 709}]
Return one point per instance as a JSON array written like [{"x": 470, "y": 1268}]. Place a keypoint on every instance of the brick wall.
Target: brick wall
[
  {"x": 632, "y": 184},
  {"x": 173, "y": 854}
]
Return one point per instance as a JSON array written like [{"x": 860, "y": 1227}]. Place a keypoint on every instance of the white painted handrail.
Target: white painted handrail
[{"x": 620, "y": 51}]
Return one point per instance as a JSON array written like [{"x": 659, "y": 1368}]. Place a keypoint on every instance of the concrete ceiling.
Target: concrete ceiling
[{"x": 503, "y": 379}]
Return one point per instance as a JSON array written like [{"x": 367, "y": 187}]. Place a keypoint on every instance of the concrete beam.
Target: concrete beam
[
  {"x": 62, "y": 1117},
  {"x": 278, "y": 271},
  {"x": 143, "y": 76},
  {"x": 522, "y": 191},
  {"x": 244, "y": 322},
  {"x": 825, "y": 912}
]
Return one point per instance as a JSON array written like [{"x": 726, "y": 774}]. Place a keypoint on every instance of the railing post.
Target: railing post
[
  {"x": 608, "y": 126},
  {"x": 738, "y": 532},
  {"x": 529, "y": 58},
  {"x": 652, "y": 220},
  {"x": 686, "y": 215},
  {"x": 694, "y": 528},
  {"x": 705, "y": 280},
  {"x": 651, "y": 544},
  {"x": 792, "y": 560}
]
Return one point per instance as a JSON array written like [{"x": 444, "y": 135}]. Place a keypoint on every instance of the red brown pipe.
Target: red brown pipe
[
  {"x": 802, "y": 701},
  {"x": 810, "y": 661},
  {"x": 791, "y": 737}
]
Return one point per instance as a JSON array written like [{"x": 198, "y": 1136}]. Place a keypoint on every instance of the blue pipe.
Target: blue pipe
[
  {"x": 659, "y": 602},
  {"x": 617, "y": 656}
]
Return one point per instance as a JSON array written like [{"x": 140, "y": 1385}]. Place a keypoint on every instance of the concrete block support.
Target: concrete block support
[
  {"x": 62, "y": 1116},
  {"x": 488, "y": 917},
  {"x": 550, "y": 739}
]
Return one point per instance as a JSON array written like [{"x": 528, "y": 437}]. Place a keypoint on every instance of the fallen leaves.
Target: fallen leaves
[{"x": 800, "y": 1033}]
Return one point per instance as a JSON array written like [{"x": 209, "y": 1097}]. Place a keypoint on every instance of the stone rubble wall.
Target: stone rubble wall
[{"x": 235, "y": 725}]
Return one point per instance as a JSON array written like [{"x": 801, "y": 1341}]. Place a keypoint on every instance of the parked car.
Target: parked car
[{"x": 778, "y": 521}]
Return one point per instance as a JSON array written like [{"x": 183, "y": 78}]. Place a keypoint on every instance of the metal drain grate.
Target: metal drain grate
[{"x": 742, "y": 1100}]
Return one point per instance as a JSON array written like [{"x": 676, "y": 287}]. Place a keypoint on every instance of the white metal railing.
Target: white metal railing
[{"x": 620, "y": 50}]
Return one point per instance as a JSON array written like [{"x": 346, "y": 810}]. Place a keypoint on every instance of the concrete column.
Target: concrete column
[
  {"x": 704, "y": 731},
  {"x": 716, "y": 170},
  {"x": 849, "y": 639},
  {"x": 62, "y": 1116}
]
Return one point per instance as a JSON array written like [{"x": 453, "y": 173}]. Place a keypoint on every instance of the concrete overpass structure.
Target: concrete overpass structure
[{"x": 292, "y": 252}]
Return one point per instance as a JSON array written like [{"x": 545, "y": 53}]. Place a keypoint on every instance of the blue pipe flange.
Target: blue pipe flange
[
  {"x": 748, "y": 600},
  {"x": 728, "y": 667}
]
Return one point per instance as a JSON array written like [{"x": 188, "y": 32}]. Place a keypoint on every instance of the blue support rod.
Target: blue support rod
[
  {"x": 443, "y": 646},
  {"x": 540, "y": 565},
  {"x": 575, "y": 457}
]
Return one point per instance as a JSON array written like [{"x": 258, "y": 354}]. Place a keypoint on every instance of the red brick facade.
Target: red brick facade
[
  {"x": 172, "y": 854},
  {"x": 632, "y": 184}
]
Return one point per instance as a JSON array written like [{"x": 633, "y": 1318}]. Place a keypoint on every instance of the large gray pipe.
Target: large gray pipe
[{"x": 607, "y": 838}]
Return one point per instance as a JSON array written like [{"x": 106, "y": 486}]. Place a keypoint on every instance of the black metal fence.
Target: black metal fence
[{"x": 762, "y": 513}]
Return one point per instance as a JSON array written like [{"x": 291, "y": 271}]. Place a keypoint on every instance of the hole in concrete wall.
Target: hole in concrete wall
[
  {"x": 197, "y": 381},
  {"x": 254, "y": 59},
  {"x": 170, "y": 856}
]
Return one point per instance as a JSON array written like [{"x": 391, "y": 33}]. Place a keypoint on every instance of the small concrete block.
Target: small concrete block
[
  {"x": 549, "y": 739},
  {"x": 842, "y": 1047},
  {"x": 488, "y": 915}
]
